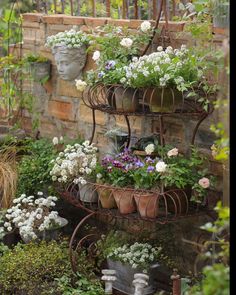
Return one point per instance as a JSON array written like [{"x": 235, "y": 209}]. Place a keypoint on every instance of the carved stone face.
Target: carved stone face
[{"x": 70, "y": 61}]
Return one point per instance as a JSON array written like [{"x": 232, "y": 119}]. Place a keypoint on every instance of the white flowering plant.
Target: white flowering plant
[
  {"x": 75, "y": 164},
  {"x": 70, "y": 39},
  {"x": 113, "y": 47},
  {"x": 137, "y": 255},
  {"x": 32, "y": 215},
  {"x": 180, "y": 68}
]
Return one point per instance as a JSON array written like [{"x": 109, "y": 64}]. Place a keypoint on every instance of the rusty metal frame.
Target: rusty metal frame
[{"x": 102, "y": 98}]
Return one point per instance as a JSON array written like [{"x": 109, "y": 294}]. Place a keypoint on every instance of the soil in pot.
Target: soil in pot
[
  {"x": 147, "y": 204},
  {"x": 124, "y": 201}
]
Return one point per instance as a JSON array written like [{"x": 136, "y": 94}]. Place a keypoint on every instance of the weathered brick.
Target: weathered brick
[
  {"x": 61, "y": 110},
  {"x": 119, "y": 22}
]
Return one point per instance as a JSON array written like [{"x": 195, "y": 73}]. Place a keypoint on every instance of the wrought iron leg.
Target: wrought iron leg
[
  {"x": 72, "y": 258},
  {"x": 94, "y": 126},
  {"x": 197, "y": 126},
  {"x": 129, "y": 130},
  {"x": 161, "y": 127}
]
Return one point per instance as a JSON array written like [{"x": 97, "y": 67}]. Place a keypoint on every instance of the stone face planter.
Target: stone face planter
[
  {"x": 70, "y": 61},
  {"x": 124, "y": 201},
  {"x": 88, "y": 193},
  {"x": 126, "y": 99},
  {"x": 147, "y": 204},
  {"x": 106, "y": 198},
  {"x": 163, "y": 100},
  {"x": 125, "y": 276},
  {"x": 40, "y": 71}
]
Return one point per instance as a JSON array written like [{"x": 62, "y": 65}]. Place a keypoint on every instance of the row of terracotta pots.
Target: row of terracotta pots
[{"x": 146, "y": 203}]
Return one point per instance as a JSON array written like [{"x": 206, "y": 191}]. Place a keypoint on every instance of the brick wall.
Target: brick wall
[{"x": 64, "y": 113}]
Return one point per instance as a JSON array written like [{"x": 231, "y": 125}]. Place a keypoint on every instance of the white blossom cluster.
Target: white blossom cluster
[
  {"x": 136, "y": 255},
  {"x": 32, "y": 215},
  {"x": 163, "y": 68},
  {"x": 75, "y": 163},
  {"x": 70, "y": 39}
]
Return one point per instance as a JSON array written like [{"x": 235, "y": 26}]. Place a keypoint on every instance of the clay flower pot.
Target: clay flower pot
[
  {"x": 124, "y": 201},
  {"x": 126, "y": 99},
  {"x": 106, "y": 198},
  {"x": 147, "y": 204},
  {"x": 163, "y": 100}
]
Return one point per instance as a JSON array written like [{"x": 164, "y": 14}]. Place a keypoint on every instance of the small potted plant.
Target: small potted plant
[
  {"x": 163, "y": 76},
  {"x": 115, "y": 171},
  {"x": 70, "y": 52},
  {"x": 40, "y": 67},
  {"x": 33, "y": 217},
  {"x": 76, "y": 165}
]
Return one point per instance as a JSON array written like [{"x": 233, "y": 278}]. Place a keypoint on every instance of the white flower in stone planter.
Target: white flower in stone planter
[{"x": 32, "y": 215}]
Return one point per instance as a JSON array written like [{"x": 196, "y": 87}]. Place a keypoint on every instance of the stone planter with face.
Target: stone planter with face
[{"x": 70, "y": 61}]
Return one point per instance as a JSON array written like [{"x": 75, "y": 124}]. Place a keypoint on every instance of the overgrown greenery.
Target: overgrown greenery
[
  {"x": 35, "y": 166},
  {"x": 28, "y": 266},
  {"x": 215, "y": 277}
]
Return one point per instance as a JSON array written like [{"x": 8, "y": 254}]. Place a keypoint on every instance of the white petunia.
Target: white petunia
[
  {"x": 96, "y": 55},
  {"x": 161, "y": 166},
  {"x": 159, "y": 48},
  {"x": 149, "y": 149},
  {"x": 126, "y": 42},
  {"x": 80, "y": 85},
  {"x": 55, "y": 140},
  {"x": 145, "y": 26}
]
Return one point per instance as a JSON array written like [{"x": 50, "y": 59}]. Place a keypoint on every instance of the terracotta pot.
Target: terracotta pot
[
  {"x": 106, "y": 198},
  {"x": 124, "y": 200},
  {"x": 147, "y": 204},
  {"x": 163, "y": 100},
  {"x": 126, "y": 99}
]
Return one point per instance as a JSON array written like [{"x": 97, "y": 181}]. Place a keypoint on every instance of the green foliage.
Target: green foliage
[
  {"x": 32, "y": 57},
  {"x": 13, "y": 99},
  {"x": 79, "y": 285},
  {"x": 28, "y": 266},
  {"x": 35, "y": 166},
  {"x": 216, "y": 276},
  {"x": 10, "y": 28}
]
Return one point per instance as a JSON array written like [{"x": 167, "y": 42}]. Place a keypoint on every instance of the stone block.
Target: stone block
[
  {"x": 119, "y": 22},
  {"x": 73, "y": 20},
  {"x": 135, "y": 123},
  {"x": 61, "y": 110},
  {"x": 32, "y": 17},
  {"x": 53, "y": 19},
  {"x": 85, "y": 115},
  {"x": 95, "y": 21},
  {"x": 67, "y": 88}
]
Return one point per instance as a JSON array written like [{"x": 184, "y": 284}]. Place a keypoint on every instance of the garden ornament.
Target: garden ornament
[
  {"x": 109, "y": 277},
  {"x": 70, "y": 61},
  {"x": 140, "y": 282}
]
